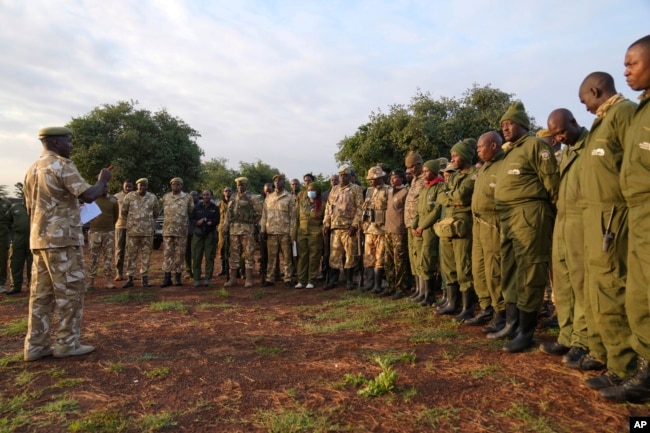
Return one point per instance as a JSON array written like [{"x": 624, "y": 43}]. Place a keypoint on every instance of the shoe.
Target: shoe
[
  {"x": 604, "y": 380},
  {"x": 197, "y": 283},
  {"x": 634, "y": 389},
  {"x": 79, "y": 349},
  {"x": 167, "y": 280},
  {"x": 484, "y": 316},
  {"x": 496, "y": 324},
  {"x": 398, "y": 295},
  {"x": 177, "y": 279},
  {"x": 206, "y": 282},
  {"x": 118, "y": 277},
  {"x": 298, "y": 286},
  {"x": 288, "y": 284},
  {"x": 14, "y": 291},
  {"x": 2, "y": 289},
  {"x": 129, "y": 283},
  {"x": 574, "y": 354},
  {"x": 586, "y": 362},
  {"x": 309, "y": 286},
  {"x": 554, "y": 348},
  {"x": 266, "y": 283},
  {"x": 110, "y": 286},
  {"x": 34, "y": 356}
]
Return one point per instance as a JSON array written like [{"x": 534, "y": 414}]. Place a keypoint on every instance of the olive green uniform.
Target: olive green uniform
[
  {"x": 120, "y": 236},
  {"x": 4, "y": 240},
  {"x": 309, "y": 237},
  {"x": 568, "y": 248},
  {"x": 427, "y": 213},
  {"x": 20, "y": 256},
  {"x": 410, "y": 209},
  {"x": 525, "y": 195}
]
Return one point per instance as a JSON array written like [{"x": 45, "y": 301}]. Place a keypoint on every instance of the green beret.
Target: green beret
[
  {"x": 241, "y": 180},
  {"x": 176, "y": 179},
  {"x": 466, "y": 149},
  {"x": 142, "y": 180},
  {"x": 413, "y": 158},
  {"x": 54, "y": 131},
  {"x": 278, "y": 176},
  {"x": 517, "y": 113},
  {"x": 433, "y": 165}
]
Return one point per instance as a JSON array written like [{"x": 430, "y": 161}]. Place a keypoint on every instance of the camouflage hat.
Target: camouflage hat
[
  {"x": 345, "y": 170},
  {"x": 449, "y": 169},
  {"x": 176, "y": 179},
  {"x": 278, "y": 176},
  {"x": 443, "y": 162},
  {"x": 142, "y": 180},
  {"x": 54, "y": 131},
  {"x": 375, "y": 173},
  {"x": 241, "y": 180}
]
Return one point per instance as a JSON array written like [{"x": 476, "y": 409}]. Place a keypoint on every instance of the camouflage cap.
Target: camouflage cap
[
  {"x": 278, "y": 176},
  {"x": 241, "y": 180},
  {"x": 54, "y": 131},
  {"x": 375, "y": 173},
  {"x": 345, "y": 170},
  {"x": 142, "y": 180},
  {"x": 176, "y": 179}
]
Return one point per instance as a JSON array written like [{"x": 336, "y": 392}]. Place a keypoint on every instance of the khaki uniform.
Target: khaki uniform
[
  {"x": 396, "y": 253},
  {"x": 52, "y": 185},
  {"x": 486, "y": 243},
  {"x": 20, "y": 256},
  {"x": 177, "y": 210},
  {"x": 244, "y": 211},
  {"x": 373, "y": 248},
  {"x": 525, "y": 196},
  {"x": 120, "y": 236},
  {"x": 278, "y": 218},
  {"x": 343, "y": 210},
  {"x": 4, "y": 239},
  {"x": 140, "y": 212},
  {"x": 101, "y": 236},
  {"x": 309, "y": 237}
]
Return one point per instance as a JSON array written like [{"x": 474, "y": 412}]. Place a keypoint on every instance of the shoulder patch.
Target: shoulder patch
[{"x": 545, "y": 154}]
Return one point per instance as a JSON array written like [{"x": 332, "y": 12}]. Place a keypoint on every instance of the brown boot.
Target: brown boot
[
  {"x": 233, "y": 278},
  {"x": 249, "y": 278}
]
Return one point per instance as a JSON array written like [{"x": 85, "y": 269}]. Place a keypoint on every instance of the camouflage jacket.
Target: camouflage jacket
[
  {"x": 411, "y": 204},
  {"x": 374, "y": 210},
  {"x": 278, "y": 213},
  {"x": 52, "y": 185},
  {"x": 177, "y": 209},
  {"x": 243, "y": 213},
  {"x": 140, "y": 213},
  {"x": 344, "y": 207}
]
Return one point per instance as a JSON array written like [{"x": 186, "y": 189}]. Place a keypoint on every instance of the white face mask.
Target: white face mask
[{"x": 311, "y": 194}]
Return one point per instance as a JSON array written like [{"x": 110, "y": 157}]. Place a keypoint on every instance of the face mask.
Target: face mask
[{"x": 311, "y": 194}]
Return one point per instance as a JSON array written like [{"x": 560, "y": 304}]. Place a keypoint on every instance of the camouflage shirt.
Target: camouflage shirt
[
  {"x": 177, "y": 209},
  {"x": 278, "y": 213},
  {"x": 411, "y": 204},
  {"x": 344, "y": 207},
  {"x": 377, "y": 201},
  {"x": 140, "y": 213},
  {"x": 52, "y": 185},
  {"x": 244, "y": 211}
]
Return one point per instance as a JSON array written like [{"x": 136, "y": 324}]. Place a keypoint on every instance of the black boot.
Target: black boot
[
  {"x": 167, "y": 281},
  {"x": 333, "y": 280},
  {"x": 524, "y": 338},
  {"x": 349, "y": 278},
  {"x": 368, "y": 279},
  {"x": 378, "y": 279},
  {"x": 469, "y": 305},
  {"x": 635, "y": 389},
  {"x": 510, "y": 328},
  {"x": 483, "y": 317},
  {"x": 145, "y": 282},
  {"x": 177, "y": 279},
  {"x": 129, "y": 283},
  {"x": 418, "y": 295},
  {"x": 429, "y": 292},
  {"x": 497, "y": 323},
  {"x": 443, "y": 299},
  {"x": 453, "y": 306}
]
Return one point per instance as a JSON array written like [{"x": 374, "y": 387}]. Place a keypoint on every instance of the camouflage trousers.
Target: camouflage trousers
[
  {"x": 120, "y": 250},
  {"x": 373, "y": 251},
  {"x": 98, "y": 243},
  {"x": 174, "y": 253},
  {"x": 396, "y": 262},
  {"x": 57, "y": 280},
  {"x": 343, "y": 245},
  {"x": 274, "y": 244},
  {"x": 241, "y": 246},
  {"x": 135, "y": 245}
]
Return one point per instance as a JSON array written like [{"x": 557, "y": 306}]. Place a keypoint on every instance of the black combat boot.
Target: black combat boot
[
  {"x": 429, "y": 292},
  {"x": 177, "y": 279},
  {"x": 452, "y": 306},
  {"x": 635, "y": 389},
  {"x": 333, "y": 280},
  {"x": 145, "y": 282},
  {"x": 378, "y": 279},
  {"x": 469, "y": 305},
  {"x": 417, "y": 296},
  {"x": 349, "y": 278},
  {"x": 129, "y": 283},
  {"x": 525, "y": 335},
  {"x": 510, "y": 328},
  {"x": 167, "y": 281},
  {"x": 497, "y": 323},
  {"x": 368, "y": 279},
  {"x": 484, "y": 316}
]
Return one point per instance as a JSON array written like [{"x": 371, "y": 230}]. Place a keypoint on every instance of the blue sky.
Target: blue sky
[{"x": 285, "y": 81}]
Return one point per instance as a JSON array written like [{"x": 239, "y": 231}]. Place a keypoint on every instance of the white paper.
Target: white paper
[{"x": 89, "y": 211}]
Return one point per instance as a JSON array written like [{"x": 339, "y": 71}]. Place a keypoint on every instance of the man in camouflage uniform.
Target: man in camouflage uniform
[
  {"x": 243, "y": 213},
  {"x": 52, "y": 189},
  {"x": 343, "y": 220},
  {"x": 374, "y": 218},
  {"x": 278, "y": 217},
  {"x": 413, "y": 165},
  {"x": 223, "y": 247},
  {"x": 4, "y": 242},
  {"x": 177, "y": 208},
  {"x": 20, "y": 256},
  {"x": 120, "y": 231},
  {"x": 140, "y": 209},
  {"x": 101, "y": 238}
]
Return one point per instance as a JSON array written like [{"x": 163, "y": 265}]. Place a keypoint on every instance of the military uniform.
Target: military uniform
[
  {"x": 4, "y": 242},
  {"x": 204, "y": 239},
  {"x": 101, "y": 237},
  {"x": 177, "y": 210},
  {"x": 140, "y": 212},
  {"x": 309, "y": 238},
  {"x": 20, "y": 256},
  {"x": 343, "y": 210},
  {"x": 396, "y": 255},
  {"x": 120, "y": 238},
  {"x": 222, "y": 246},
  {"x": 410, "y": 209},
  {"x": 427, "y": 213},
  {"x": 243, "y": 213},
  {"x": 373, "y": 228},
  {"x": 278, "y": 215}
]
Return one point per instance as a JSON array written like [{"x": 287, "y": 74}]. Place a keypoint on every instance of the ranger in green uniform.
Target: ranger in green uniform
[
  {"x": 525, "y": 196},
  {"x": 413, "y": 163},
  {"x": 4, "y": 242},
  {"x": 20, "y": 256}
]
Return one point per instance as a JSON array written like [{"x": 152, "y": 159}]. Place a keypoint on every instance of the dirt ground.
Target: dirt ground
[{"x": 255, "y": 360}]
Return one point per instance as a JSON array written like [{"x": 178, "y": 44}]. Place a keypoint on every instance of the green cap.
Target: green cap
[
  {"x": 466, "y": 149},
  {"x": 54, "y": 131},
  {"x": 517, "y": 113}
]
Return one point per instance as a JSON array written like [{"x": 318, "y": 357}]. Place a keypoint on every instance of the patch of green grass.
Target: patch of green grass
[
  {"x": 486, "y": 370},
  {"x": 157, "y": 372},
  {"x": 156, "y": 422},
  {"x": 25, "y": 377},
  {"x": 259, "y": 294},
  {"x": 438, "y": 416},
  {"x": 355, "y": 380},
  {"x": 108, "y": 421},
  {"x": 168, "y": 306},
  {"x": 435, "y": 336},
  {"x": 221, "y": 293},
  {"x": 68, "y": 383},
  {"x": 528, "y": 419},
  {"x": 15, "y": 403},
  {"x": 148, "y": 357},
  {"x": 11, "y": 359},
  {"x": 128, "y": 296},
  {"x": 270, "y": 351},
  {"x": 115, "y": 367},
  {"x": 383, "y": 383},
  {"x": 14, "y": 327},
  {"x": 61, "y": 405},
  {"x": 295, "y": 420},
  {"x": 390, "y": 357},
  {"x": 57, "y": 372}
]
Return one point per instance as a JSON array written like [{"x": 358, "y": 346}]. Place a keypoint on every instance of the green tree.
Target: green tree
[
  {"x": 137, "y": 143},
  {"x": 258, "y": 174},
  {"x": 215, "y": 175},
  {"x": 3, "y": 191},
  {"x": 19, "y": 190}
]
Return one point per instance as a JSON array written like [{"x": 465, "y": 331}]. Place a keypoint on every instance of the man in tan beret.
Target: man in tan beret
[{"x": 53, "y": 186}]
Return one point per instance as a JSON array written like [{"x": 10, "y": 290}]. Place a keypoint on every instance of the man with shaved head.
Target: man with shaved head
[
  {"x": 606, "y": 233},
  {"x": 568, "y": 239}
]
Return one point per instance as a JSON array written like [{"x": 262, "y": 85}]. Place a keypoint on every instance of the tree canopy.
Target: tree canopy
[
  {"x": 137, "y": 143},
  {"x": 427, "y": 126}
]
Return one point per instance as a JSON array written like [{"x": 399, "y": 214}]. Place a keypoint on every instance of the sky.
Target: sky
[{"x": 285, "y": 81}]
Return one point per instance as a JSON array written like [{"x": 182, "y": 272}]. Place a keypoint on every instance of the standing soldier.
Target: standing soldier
[
  {"x": 177, "y": 208},
  {"x": 413, "y": 165},
  {"x": 374, "y": 218},
  {"x": 342, "y": 220},
  {"x": 278, "y": 215},
  {"x": 53, "y": 187},
  {"x": 244, "y": 212},
  {"x": 20, "y": 256},
  {"x": 525, "y": 196},
  {"x": 188, "y": 246},
  {"x": 140, "y": 209},
  {"x": 120, "y": 231},
  {"x": 101, "y": 238},
  {"x": 4, "y": 242},
  {"x": 223, "y": 246},
  {"x": 204, "y": 222}
]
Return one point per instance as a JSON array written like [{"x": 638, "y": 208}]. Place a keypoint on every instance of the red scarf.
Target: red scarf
[{"x": 436, "y": 180}]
